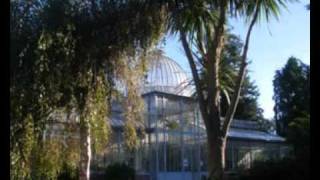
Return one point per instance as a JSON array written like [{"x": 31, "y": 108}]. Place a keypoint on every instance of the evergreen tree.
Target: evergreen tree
[
  {"x": 248, "y": 107},
  {"x": 291, "y": 93}
]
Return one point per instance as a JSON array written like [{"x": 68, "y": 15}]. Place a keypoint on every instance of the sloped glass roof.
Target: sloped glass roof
[{"x": 253, "y": 135}]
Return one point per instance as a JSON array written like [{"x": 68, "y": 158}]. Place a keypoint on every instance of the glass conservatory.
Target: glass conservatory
[{"x": 174, "y": 143}]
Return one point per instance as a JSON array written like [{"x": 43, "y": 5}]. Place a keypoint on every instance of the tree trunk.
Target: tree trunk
[
  {"x": 85, "y": 151},
  {"x": 216, "y": 148},
  {"x": 216, "y": 157}
]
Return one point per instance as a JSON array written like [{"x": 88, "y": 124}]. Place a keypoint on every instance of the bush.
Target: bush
[
  {"x": 68, "y": 173},
  {"x": 285, "y": 169},
  {"x": 119, "y": 171}
]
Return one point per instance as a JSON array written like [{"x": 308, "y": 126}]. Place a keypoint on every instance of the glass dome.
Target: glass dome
[{"x": 165, "y": 75}]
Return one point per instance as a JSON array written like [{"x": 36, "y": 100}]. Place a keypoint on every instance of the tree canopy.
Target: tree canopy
[
  {"x": 248, "y": 107},
  {"x": 63, "y": 56},
  {"x": 291, "y": 93},
  {"x": 292, "y": 109}
]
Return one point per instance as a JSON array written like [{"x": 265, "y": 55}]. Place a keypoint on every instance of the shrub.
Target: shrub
[
  {"x": 285, "y": 169},
  {"x": 119, "y": 171},
  {"x": 68, "y": 173}
]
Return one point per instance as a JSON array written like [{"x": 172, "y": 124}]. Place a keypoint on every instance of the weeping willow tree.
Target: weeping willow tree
[
  {"x": 133, "y": 104},
  {"x": 63, "y": 56}
]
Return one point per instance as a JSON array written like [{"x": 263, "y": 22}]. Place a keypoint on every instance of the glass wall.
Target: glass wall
[{"x": 175, "y": 141}]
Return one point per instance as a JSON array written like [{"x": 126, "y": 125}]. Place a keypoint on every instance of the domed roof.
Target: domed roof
[{"x": 165, "y": 75}]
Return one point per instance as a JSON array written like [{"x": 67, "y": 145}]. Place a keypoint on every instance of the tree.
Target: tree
[
  {"x": 64, "y": 55},
  {"x": 299, "y": 137},
  {"x": 292, "y": 111},
  {"x": 201, "y": 27},
  {"x": 24, "y": 96},
  {"x": 291, "y": 93},
  {"x": 248, "y": 107}
]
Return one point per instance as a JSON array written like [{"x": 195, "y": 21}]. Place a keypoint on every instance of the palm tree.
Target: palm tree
[{"x": 201, "y": 27}]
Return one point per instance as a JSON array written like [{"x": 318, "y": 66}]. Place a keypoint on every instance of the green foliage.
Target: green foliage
[
  {"x": 97, "y": 112},
  {"x": 291, "y": 93},
  {"x": 60, "y": 53},
  {"x": 24, "y": 107},
  {"x": 299, "y": 136},
  {"x": 172, "y": 125},
  {"x": 291, "y": 88},
  {"x": 248, "y": 107},
  {"x": 196, "y": 18},
  {"x": 292, "y": 108},
  {"x": 47, "y": 162},
  {"x": 21, "y": 150},
  {"x": 131, "y": 74},
  {"x": 52, "y": 158},
  {"x": 68, "y": 173},
  {"x": 285, "y": 169},
  {"x": 130, "y": 135},
  {"x": 120, "y": 172},
  {"x": 201, "y": 26},
  {"x": 266, "y": 9}
]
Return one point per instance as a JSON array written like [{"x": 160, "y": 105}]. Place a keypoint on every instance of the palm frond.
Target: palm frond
[{"x": 266, "y": 8}]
